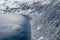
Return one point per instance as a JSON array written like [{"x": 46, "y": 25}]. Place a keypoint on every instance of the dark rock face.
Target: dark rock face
[{"x": 48, "y": 23}]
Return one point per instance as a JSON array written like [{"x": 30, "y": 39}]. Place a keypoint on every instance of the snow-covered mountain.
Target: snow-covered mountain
[{"x": 41, "y": 16}]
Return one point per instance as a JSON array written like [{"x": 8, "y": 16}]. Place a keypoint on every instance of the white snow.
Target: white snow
[
  {"x": 43, "y": 2},
  {"x": 2, "y": 2},
  {"x": 38, "y": 28},
  {"x": 41, "y": 38}
]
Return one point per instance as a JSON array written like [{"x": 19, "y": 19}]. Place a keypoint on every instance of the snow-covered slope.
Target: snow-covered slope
[{"x": 44, "y": 16}]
